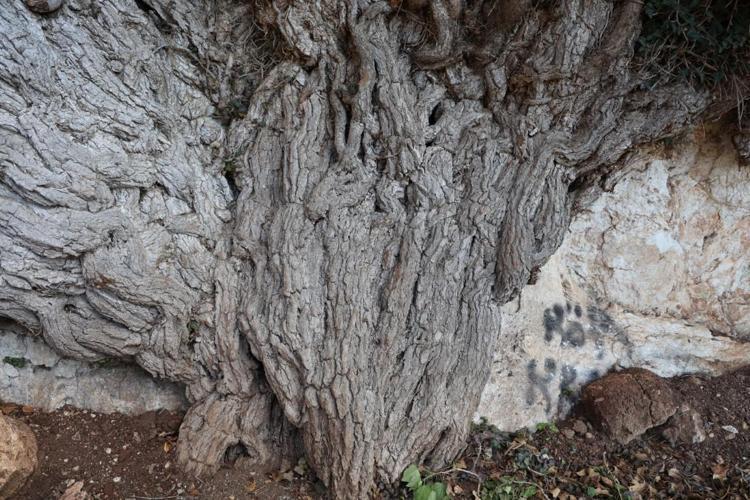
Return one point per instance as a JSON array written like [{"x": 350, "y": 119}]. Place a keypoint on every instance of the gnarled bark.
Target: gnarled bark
[{"x": 317, "y": 241}]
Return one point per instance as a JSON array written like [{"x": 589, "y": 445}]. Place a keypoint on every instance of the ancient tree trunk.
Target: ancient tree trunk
[{"x": 309, "y": 212}]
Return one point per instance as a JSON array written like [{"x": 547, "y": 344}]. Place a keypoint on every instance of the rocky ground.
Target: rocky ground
[{"x": 115, "y": 456}]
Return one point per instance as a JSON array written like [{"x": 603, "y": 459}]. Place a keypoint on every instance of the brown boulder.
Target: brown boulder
[
  {"x": 626, "y": 404},
  {"x": 17, "y": 455}
]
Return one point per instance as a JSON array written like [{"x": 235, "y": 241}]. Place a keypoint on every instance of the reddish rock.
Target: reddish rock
[
  {"x": 626, "y": 404},
  {"x": 17, "y": 455}
]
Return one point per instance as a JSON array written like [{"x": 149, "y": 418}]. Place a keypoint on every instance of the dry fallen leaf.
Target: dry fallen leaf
[
  {"x": 251, "y": 486},
  {"x": 496, "y": 474},
  {"x": 720, "y": 471},
  {"x": 555, "y": 493},
  {"x": 8, "y": 408},
  {"x": 167, "y": 446},
  {"x": 637, "y": 485}
]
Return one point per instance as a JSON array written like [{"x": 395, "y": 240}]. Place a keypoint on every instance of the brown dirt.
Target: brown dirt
[
  {"x": 553, "y": 462},
  {"x": 119, "y": 456},
  {"x": 563, "y": 463}
]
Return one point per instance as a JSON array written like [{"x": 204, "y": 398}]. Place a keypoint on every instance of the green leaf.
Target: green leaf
[
  {"x": 529, "y": 492},
  {"x": 441, "y": 492},
  {"x": 412, "y": 477},
  {"x": 592, "y": 492},
  {"x": 425, "y": 492}
]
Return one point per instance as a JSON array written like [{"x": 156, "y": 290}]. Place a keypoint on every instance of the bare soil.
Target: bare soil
[{"x": 120, "y": 456}]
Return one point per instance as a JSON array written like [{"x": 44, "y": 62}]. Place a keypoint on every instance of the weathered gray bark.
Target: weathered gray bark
[{"x": 390, "y": 196}]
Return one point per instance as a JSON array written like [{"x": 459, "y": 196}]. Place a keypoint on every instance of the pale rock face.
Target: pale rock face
[
  {"x": 18, "y": 455},
  {"x": 32, "y": 373},
  {"x": 654, "y": 274}
]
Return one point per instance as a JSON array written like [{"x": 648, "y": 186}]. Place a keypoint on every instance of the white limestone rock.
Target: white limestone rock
[
  {"x": 31, "y": 373},
  {"x": 654, "y": 274}
]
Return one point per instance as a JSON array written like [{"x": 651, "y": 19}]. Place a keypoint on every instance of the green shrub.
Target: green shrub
[{"x": 704, "y": 42}]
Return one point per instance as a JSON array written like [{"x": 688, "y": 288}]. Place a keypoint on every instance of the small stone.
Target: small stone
[
  {"x": 117, "y": 479},
  {"x": 108, "y": 451},
  {"x": 43, "y": 6},
  {"x": 569, "y": 433},
  {"x": 684, "y": 427},
  {"x": 580, "y": 426},
  {"x": 287, "y": 476},
  {"x": 589, "y": 435},
  {"x": 18, "y": 455},
  {"x": 730, "y": 428},
  {"x": 75, "y": 492},
  {"x": 116, "y": 66}
]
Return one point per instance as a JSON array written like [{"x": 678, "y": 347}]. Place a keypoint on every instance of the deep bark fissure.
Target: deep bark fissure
[{"x": 318, "y": 250}]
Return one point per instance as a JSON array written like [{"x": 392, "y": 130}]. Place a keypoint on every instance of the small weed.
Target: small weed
[
  {"x": 567, "y": 392},
  {"x": 547, "y": 427},
  {"x": 15, "y": 362},
  {"x": 107, "y": 363},
  {"x": 507, "y": 488},
  {"x": 421, "y": 490},
  {"x": 193, "y": 327},
  {"x": 490, "y": 435}
]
